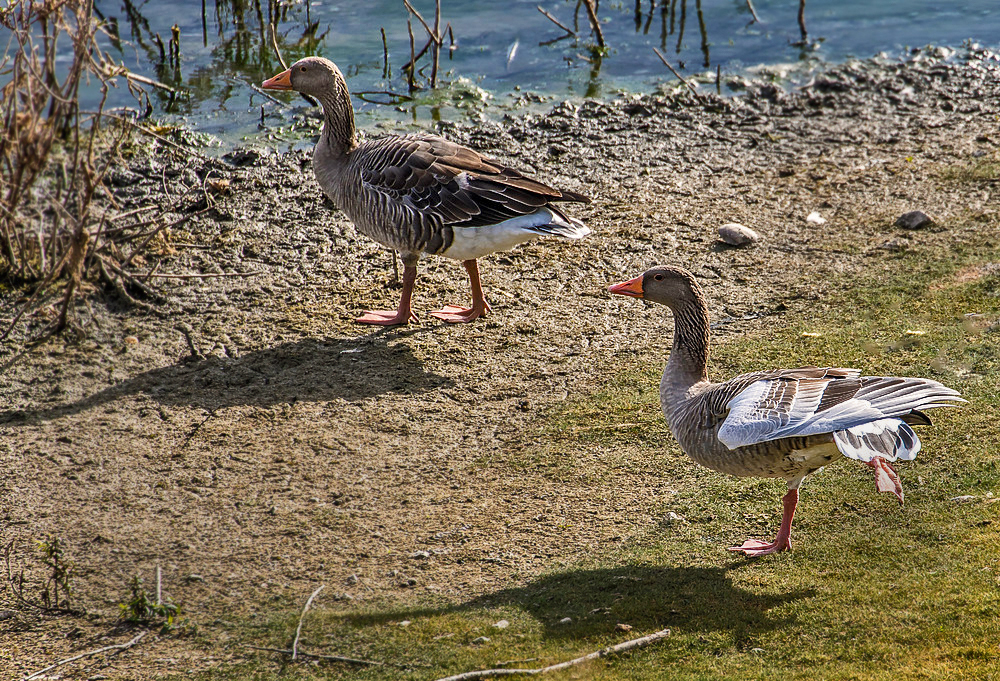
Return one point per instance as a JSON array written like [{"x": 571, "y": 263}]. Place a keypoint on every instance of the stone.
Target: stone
[
  {"x": 915, "y": 219},
  {"x": 566, "y": 620},
  {"x": 502, "y": 624},
  {"x": 736, "y": 234},
  {"x": 815, "y": 218},
  {"x": 480, "y": 640}
]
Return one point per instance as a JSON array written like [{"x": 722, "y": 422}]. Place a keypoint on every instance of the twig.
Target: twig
[
  {"x": 753, "y": 12},
  {"x": 119, "y": 647},
  {"x": 298, "y": 629},
  {"x": 149, "y": 81},
  {"x": 802, "y": 21},
  {"x": 569, "y": 31},
  {"x": 336, "y": 658},
  {"x": 210, "y": 275},
  {"x": 274, "y": 46},
  {"x": 604, "y": 652},
  {"x": 679, "y": 76},
  {"x": 594, "y": 21},
  {"x": 385, "y": 56},
  {"x": 159, "y": 229},
  {"x": 160, "y": 138}
]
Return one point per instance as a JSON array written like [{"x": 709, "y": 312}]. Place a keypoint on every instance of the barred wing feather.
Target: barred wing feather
[{"x": 814, "y": 401}]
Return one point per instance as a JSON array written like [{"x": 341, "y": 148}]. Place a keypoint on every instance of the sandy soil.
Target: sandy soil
[{"x": 251, "y": 440}]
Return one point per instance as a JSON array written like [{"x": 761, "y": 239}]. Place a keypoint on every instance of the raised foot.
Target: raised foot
[
  {"x": 386, "y": 317},
  {"x": 453, "y": 314},
  {"x": 754, "y": 548}
]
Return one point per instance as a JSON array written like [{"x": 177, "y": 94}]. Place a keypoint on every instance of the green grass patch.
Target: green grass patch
[{"x": 872, "y": 590}]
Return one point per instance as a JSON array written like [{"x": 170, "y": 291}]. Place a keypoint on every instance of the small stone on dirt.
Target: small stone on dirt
[
  {"x": 420, "y": 554},
  {"x": 915, "y": 219},
  {"x": 736, "y": 234},
  {"x": 502, "y": 624},
  {"x": 623, "y": 627},
  {"x": 405, "y": 623},
  {"x": 481, "y": 639},
  {"x": 353, "y": 579},
  {"x": 815, "y": 218}
]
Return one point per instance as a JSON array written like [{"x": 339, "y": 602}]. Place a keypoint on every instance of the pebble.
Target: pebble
[
  {"x": 815, "y": 218},
  {"x": 566, "y": 620},
  {"x": 623, "y": 627},
  {"x": 502, "y": 624},
  {"x": 481, "y": 639},
  {"x": 420, "y": 554},
  {"x": 736, "y": 234},
  {"x": 915, "y": 219},
  {"x": 405, "y": 623}
]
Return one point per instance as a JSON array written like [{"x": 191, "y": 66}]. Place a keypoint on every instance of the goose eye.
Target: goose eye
[
  {"x": 658, "y": 277},
  {"x": 302, "y": 68}
]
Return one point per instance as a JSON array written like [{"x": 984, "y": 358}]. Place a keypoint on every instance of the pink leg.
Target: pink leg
[
  {"x": 755, "y": 548},
  {"x": 456, "y": 314},
  {"x": 886, "y": 479},
  {"x": 403, "y": 315}
]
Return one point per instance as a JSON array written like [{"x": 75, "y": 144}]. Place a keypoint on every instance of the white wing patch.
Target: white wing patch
[
  {"x": 889, "y": 439},
  {"x": 756, "y": 416}
]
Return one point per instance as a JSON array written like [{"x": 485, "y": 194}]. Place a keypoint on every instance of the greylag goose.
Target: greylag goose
[
  {"x": 421, "y": 193},
  {"x": 785, "y": 423}
]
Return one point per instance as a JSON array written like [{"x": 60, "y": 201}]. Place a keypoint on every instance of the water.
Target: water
[{"x": 503, "y": 49}]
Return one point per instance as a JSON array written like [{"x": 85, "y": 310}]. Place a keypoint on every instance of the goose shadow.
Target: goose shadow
[
  {"x": 645, "y": 597},
  {"x": 351, "y": 369}
]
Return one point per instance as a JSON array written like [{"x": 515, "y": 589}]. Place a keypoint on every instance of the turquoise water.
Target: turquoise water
[{"x": 500, "y": 51}]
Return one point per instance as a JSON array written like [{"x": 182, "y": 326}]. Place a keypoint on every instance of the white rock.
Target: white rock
[
  {"x": 736, "y": 234},
  {"x": 815, "y": 218},
  {"x": 405, "y": 623},
  {"x": 566, "y": 620},
  {"x": 502, "y": 624},
  {"x": 481, "y": 639}
]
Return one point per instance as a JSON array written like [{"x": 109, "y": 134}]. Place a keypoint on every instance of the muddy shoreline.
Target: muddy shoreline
[{"x": 251, "y": 440}]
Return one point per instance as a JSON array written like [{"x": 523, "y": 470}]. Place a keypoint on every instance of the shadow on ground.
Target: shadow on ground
[
  {"x": 645, "y": 597},
  {"x": 351, "y": 369}
]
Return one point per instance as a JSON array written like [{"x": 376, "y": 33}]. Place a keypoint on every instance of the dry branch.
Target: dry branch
[
  {"x": 679, "y": 76},
  {"x": 603, "y": 652},
  {"x": 298, "y": 629},
  {"x": 569, "y": 32},
  {"x": 595, "y": 23},
  {"x": 117, "y": 648}
]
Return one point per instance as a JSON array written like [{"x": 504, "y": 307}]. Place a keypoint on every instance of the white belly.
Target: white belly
[{"x": 475, "y": 242}]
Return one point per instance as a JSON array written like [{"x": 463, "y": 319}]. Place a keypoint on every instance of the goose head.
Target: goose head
[
  {"x": 314, "y": 76},
  {"x": 671, "y": 286}
]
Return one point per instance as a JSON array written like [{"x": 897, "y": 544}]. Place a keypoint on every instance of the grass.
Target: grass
[{"x": 872, "y": 590}]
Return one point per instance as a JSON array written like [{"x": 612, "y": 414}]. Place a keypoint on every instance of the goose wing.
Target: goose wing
[
  {"x": 437, "y": 181},
  {"x": 812, "y": 401}
]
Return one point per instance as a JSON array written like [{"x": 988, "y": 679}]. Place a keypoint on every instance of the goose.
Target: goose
[
  {"x": 784, "y": 423},
  {"x": 420, "y": 193}
]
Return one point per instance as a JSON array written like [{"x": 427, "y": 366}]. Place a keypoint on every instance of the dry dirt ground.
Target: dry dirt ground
[{"x": 252, "y": 441}]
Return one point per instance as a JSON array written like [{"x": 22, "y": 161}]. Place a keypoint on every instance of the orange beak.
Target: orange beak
[
  {"x": 282, "y": 81},
  {"x": 632, "y": 287}
]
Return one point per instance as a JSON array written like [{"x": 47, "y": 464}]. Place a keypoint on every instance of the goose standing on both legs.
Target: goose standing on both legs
[
  {"x": 421, "y": 193},
  {"x": 785, "y": 423}
]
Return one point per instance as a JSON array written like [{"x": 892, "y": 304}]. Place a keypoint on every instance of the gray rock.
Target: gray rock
[
  {"x": 481, "y": 639},
  {"x": 566, "y": 620},
  {"x": 915, "y": 219},
  {"x": 736, "y": 234},
  {"x": 502, "y": 624}
]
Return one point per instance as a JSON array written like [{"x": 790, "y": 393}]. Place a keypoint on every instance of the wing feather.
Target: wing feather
[{"x": 812, "y": 401}]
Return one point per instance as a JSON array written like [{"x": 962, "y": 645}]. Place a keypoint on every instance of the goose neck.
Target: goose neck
[{"x": 339, "y": 134}]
